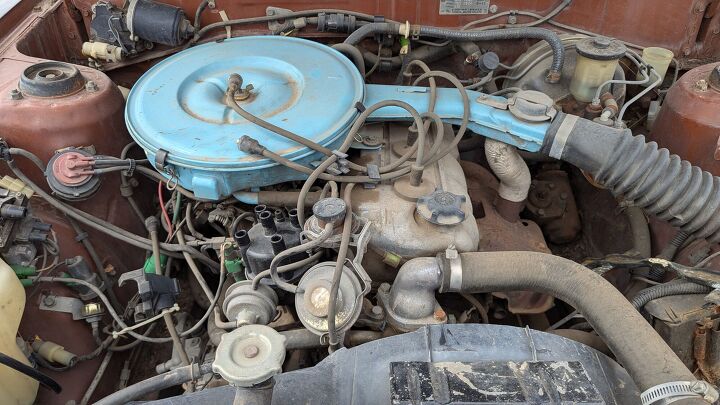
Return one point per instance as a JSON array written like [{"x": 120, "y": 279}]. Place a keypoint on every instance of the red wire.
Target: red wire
[{"x": 162, "y": 207}]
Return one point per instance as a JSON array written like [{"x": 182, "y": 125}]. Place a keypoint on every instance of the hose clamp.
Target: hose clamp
[
  {"x": 562, "y": 135},
  {"x": 453, "y": 259},
  {"x": 678, "y": 389}
]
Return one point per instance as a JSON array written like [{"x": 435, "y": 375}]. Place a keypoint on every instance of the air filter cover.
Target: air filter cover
[{"x": 177, "y": 109}]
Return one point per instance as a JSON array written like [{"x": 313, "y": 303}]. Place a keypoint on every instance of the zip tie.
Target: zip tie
[{"x": 123, "y": 331}]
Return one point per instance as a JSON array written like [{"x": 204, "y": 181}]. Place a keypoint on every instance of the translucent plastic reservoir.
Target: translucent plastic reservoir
[
  {"x": 589, "y": 75},
  {"x": 15, "y": 387},
  {"x": 659, "y": 59},
  {"x": 596, "y": 61}
]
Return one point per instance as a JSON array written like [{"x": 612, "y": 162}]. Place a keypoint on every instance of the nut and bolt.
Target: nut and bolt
[
  {"x": 15, "y": 94},
  {"x": 91, "y": 87},
  {"x": 440, "y": 315},
  {"x": 243, "y": 93},
  {"x": 251, "y": 351},
  {"x": 377, "y": 310}
]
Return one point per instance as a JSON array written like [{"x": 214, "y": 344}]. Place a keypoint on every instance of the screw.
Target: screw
[
  {"x": 493, "y": 9},
  {"x": 15, "y": 94},
  {"x": 439, "y": 315},
  {"x": 376, "y": 310},
  {"x": 91, "y": 86},
  {"x": 251, "y": 351},
  {"x": 49, "y": 300},
  {"x": 541, "y": 212},
  {"x": 563, "y": 196},
  {"x": 698, "y": 387}
]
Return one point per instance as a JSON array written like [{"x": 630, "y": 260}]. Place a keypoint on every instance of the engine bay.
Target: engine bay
[{"x": 434, "y": 202}]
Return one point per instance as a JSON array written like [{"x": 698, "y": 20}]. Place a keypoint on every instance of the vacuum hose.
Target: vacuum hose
[
  {"x": 662, "y": 184},
  {"x": 471, "y": 36},
  {"x": 637, "y": 346}
]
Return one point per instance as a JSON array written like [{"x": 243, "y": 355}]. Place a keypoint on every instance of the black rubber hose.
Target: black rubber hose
[
  {"x": 471, "y": 36},
  {"x": 29, "y": 371},
  {"x": 172, "y": 378},
  {"x": 637, "y": 346},
  {"x": 505, "y": 33},
  {"x": 353, "y": 54},
  {"x": 371, "y": 29},
  {"x": 651, "y": 178},
  {"x": 666, "y": 290},
  {"x": 426, "y": 54}
]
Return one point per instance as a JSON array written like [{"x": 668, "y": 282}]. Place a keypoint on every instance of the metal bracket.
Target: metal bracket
[
  {"x": 161, "y": 159},
  {"x": 75, "y": 307}
]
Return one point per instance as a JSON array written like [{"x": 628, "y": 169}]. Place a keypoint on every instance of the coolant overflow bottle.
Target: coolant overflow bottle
[{"x": 15, "y": 387}]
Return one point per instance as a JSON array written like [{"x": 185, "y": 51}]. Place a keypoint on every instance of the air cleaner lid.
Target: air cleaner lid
[{"x": 299, "y": 85}]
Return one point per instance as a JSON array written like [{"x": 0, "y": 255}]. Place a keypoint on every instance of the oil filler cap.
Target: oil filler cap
[
  {"x": 533, "y": 106},
  {"x": 442, "y": 208}
]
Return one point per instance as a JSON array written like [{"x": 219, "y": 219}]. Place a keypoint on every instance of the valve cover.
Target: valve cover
[{"x": 177, "y": 108}]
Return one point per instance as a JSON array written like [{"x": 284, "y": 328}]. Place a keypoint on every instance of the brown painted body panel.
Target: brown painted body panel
[
  {"x": 690, "y": 28},
  {"x": 689, "y": 121}
]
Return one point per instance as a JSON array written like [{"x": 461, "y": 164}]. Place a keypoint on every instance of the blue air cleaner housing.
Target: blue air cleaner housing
[{"x": 175, "y": 112}]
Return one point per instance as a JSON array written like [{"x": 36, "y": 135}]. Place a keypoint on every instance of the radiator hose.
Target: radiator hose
[
  {"x": 641, "y": 351},
  {"x": 639, "y": 172}
]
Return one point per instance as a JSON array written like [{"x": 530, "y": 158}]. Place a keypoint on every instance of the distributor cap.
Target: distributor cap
[
  {"x": 250, "y": 355},
  {"x": 70, "y": 174},
  {"x": 601, "y": 48}
]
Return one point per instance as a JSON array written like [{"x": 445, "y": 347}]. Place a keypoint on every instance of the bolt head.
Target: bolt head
[
  {"x": 91, "y": 86},
  {"x": 15, "y": 94},
  {"x": 377, "y": 310},
  {"x": 251, "y": 351},
  {"x": 493, "y": 9},
  {"x": 49, "y": 300}
]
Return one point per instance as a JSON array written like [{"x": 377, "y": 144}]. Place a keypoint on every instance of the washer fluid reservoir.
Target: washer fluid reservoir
[
  {"x": 176, "y": 111},
  {"x": 15, "y": 387}
]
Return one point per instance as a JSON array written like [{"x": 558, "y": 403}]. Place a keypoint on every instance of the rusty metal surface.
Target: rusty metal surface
[
  {"x": 498, "y": 234},
  {"x": 689, "y": 28},
  {"x": 551, "y": 204},
  {"x": 688, "y": 123},
  {"x": 42, "y": 126}
]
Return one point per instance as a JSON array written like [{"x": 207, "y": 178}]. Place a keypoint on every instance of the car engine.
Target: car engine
[{"x": 434, "y": 202}]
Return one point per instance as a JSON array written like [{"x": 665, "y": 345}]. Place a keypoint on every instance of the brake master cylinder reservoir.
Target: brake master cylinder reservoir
[
  {"x": 15, "y": 387},
  {"x": 597, "y": 59}
]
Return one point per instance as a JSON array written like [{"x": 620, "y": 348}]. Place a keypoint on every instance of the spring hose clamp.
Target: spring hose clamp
[{"x": 677, "y": 389}]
